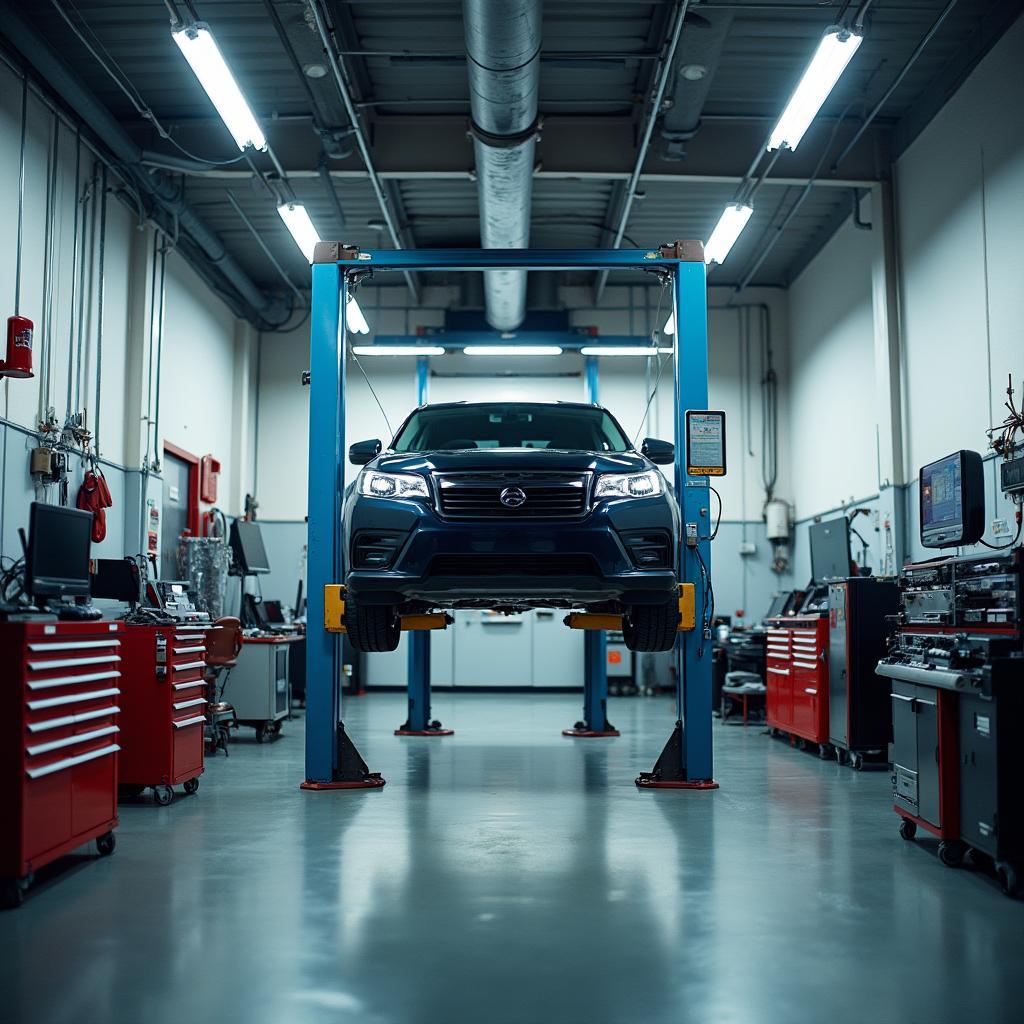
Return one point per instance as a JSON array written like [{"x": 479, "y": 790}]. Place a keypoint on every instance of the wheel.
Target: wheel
[
  {"x": 106, "y": 843},
  {"x": 825, "y": 751},
  {"x": 908, "y": 829},
  {"x": 801, "y": 743},
  {"x": 12, "y": 893},
  {"x": 951, "y": 853},
  {"x": 372, "y": 627},
  {"x": 841, "y": 756},
  {"x": 261, "y": 732},
  {"x": 163, "y": 795},
  {"x": 191, "y": 786},
  {"x": 1009, "y": 878},
  {"x": 651, "y": 627},
  {"x": 856, "y": 761}
]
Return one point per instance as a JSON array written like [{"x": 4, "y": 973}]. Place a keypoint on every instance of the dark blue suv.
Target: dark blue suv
[{"x": 511, "y": 506}]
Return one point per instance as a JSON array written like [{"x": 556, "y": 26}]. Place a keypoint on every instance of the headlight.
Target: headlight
[
  {"x": 393, "y": 485},
  {"x": 628, "y": 485}
]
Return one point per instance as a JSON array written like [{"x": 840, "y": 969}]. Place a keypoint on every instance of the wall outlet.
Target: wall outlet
[
  {"x": 1001, "y": 527},
  {"x": 748, "y": 547}
]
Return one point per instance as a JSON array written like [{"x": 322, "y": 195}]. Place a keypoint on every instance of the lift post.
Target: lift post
[{"x": 332, "y": 761}]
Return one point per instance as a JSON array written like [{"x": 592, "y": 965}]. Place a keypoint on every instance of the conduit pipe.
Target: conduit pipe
[{"x": 503, "y": 57}]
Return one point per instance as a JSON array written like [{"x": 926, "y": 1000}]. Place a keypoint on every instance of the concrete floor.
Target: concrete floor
[{"x": 508, "y": 874}]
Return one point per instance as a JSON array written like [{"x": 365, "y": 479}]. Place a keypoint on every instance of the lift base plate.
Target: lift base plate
[
  {"x": 372, "y": 781},
  {"x": 650, "y": 780},
  {"x": 590, "y": 733},
  {"x": 424, "y": 732}
]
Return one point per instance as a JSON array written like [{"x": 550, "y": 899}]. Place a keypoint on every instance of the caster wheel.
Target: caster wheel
[
  {"x": 106, "y": 843},
  {"x": 191, "y": 786},
  {"x": 163, "y": 795},
  {"x": 801, "y": 744},
  {"x": 275, "y": 729},
  {"x": 856, "y": 761},
  {"x": 261, "y": 733},
  {"x": 773, "y": 732},
  {"x": 12, "y": 893},
  {"x": 951, "y": 853},
  {"x": 825, "y": 751},
  {"x": 841, "y": 756},
  {"x": 1009, "y": 878},
  {"x": 908, "y": 829}
]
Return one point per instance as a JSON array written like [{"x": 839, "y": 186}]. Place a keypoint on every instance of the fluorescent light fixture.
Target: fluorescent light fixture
[
  {"x": 670, "y": 325},
  {"x": 733, "y": 220},
  {"x": 619, "y": 350},
  {"x": 512, "y": 350},
  {"x": 354, "y": 319},
  {"x": 834, "y": 52},
  {"x": 200, "y": 49},
  {"x": 297, "y": 221},
  {"x": 398, "y": 350}
]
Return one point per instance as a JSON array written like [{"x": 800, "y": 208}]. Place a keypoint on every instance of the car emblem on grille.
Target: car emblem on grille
[{"x": 512, "y": 497}]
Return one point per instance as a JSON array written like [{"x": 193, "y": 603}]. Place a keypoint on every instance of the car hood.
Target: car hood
[{"x": 502, "y": 460}]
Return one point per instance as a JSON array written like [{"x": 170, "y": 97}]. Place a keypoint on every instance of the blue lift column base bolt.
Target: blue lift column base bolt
[
  {"x": 352, "y": 771},
  {"x": 668, "y": 773}
]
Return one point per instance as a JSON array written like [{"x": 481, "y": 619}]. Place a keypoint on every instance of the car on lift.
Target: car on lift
[{"x": 511, "y": 506}]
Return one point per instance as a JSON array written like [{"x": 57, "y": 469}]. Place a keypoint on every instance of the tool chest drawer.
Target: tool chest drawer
[
  {"x": 164, "y": 709},
  {"x": 60, "y": 736}
]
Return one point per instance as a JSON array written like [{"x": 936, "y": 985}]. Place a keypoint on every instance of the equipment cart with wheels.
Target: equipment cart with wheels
[
  {"x": 258, "y": 685},
  {"x": 164, "y": 709},
  {"x": 797, "y": 680},
  {"x": 59, "y": 741}
]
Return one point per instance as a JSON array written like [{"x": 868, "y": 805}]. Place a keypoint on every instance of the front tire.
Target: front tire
[
  {"x": 651, "y": 627},
  {"x": 372, "y": 628}
]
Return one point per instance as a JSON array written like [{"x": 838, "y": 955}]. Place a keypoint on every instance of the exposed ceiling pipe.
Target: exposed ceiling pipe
[
  {"x": 503, "y": 48},
  {"x": 699, "y": 55},
  {"x": 661, "y": 77},
  {"x": 62, "y": 80}
]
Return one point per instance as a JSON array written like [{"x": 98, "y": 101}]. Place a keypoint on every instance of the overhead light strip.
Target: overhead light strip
[
  {"x": 512, "y": 350},
  {"x": 398, "y": 350}
]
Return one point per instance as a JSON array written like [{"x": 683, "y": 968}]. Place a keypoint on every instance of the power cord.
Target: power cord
[
  {"x": 718, "y": 521},
  {"x": 1009, "y": 544}
]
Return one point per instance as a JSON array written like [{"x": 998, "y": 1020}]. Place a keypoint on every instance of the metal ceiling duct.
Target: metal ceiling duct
[
  {"x": 503, "y": 48},
  {"x": 699, "y": 55}
]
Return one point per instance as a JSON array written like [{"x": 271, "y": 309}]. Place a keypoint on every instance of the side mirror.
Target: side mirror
[
  {"x": 661, "y": 453},
  {"x": 363, "y": 452}
]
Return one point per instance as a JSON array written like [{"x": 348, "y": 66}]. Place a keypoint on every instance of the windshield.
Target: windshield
[{"x": 457, "y": 428}]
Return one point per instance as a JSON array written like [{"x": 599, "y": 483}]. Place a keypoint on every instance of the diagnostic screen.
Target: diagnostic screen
[
  {"x": 705, "y": 443},
  {"x": 58, "y": 553},
  {"x": 942, "y": 495},
  {"x": 247, "y": 547}
]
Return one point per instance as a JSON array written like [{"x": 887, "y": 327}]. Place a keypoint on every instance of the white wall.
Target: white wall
[
  {"x": 959, "y": 209},
  {"x": 202, "y": 362}
]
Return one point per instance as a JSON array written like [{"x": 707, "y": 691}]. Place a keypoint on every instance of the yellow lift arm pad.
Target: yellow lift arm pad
[{"x": 334, "y": 608}]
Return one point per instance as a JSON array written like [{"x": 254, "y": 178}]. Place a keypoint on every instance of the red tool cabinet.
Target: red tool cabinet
[
  {"x": 60, "y": 689},
  {"x": 797, "y": 678},
  {"x": 163, "y": 709}
]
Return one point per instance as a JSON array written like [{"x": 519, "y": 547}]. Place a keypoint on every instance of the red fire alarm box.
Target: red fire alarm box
[{"x": 209, "y": 470}]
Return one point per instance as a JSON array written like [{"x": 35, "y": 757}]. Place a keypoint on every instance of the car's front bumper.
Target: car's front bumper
[{"x": 583, "y": 561}]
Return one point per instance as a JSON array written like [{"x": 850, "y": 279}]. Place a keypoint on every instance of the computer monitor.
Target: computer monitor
[
  {"x": 57, "y": 557},
  {"x": 274, "y": 612},
  {"x": 830, "y": 550},
  {"x": 778, "y": 605},
  {"x": 116, "y": 579},
  {"x": 247, "y": 548},
  {"x": 952, "y": 492}
]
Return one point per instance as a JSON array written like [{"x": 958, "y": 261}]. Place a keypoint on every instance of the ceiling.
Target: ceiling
[{"x": 405, "y": 62}]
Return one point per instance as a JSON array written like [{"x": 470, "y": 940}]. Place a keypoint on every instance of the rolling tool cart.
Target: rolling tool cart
[
  {"x": 59, "y": 740},
  {"x": 164, "y": 709},
  {"x": 797, "y": 680},
  {"x": 859, "y": 713},
  {"x": 258, "y": 685}
]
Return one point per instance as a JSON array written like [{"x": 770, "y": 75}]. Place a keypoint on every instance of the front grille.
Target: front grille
[
  {"x": 512, "y": 565},
  {"x": 540, "y": 495}
]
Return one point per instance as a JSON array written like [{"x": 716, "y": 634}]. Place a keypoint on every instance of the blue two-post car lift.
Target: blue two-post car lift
[{"x": 332, "y": 760}]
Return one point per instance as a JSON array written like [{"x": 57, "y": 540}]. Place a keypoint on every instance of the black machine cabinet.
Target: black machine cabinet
[
  {"x": 859, "y": 709},
  {"x": 991, "y": 808}
]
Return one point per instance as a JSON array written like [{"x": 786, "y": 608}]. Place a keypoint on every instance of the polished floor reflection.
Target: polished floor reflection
[{"x": 508, "y": 874}]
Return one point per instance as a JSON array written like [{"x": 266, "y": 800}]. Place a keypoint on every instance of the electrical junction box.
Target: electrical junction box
[{"x": 748, "y": 547}]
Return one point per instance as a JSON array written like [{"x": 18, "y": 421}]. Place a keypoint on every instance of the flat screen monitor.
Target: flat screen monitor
[
  {"x": 116, "y": 579},
  {"x": 274, "y": 612},
  {"x": 247, "y": 547},
  {"x": 830, "y": 550},
  {"x": 57, "y": 561},
  {"x": 778, "y": 605},
  {"x": 952, "y": 500}
]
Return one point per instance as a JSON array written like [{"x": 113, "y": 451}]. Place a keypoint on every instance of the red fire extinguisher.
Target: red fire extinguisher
[{"x": 19, "y": 348}]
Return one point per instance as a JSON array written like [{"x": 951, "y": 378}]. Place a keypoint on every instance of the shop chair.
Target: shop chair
[{"x": 223, "y": 645}]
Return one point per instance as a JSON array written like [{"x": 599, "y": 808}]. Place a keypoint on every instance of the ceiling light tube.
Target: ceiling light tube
[
  {"x": 297, "y": 221},
  {"x": 619, "y": 350},
  {"x": 733, "y": 220},
  {"x": 354, "y": 319},
  {"x": 398, "y": 350},
  {"x": 834, "y": 52},
  {"x": 200, "y": 49},
  {"x": 512, "y": 350}
]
